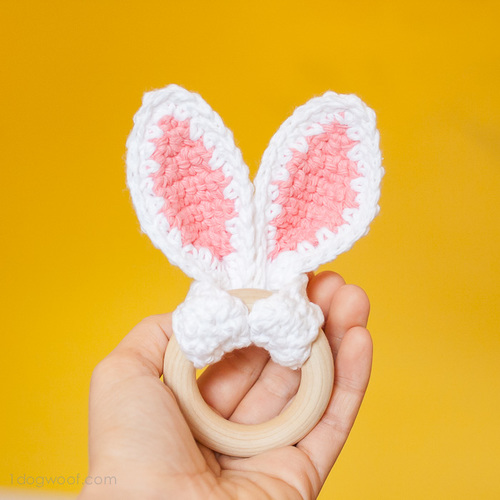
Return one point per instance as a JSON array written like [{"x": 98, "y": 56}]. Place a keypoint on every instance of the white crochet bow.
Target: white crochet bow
[
  {"x": 211, "y": 322},
  {"x": 315, "y": 194}
]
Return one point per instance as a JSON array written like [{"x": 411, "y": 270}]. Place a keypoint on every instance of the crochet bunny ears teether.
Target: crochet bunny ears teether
[{"x": 314, "y": 195}]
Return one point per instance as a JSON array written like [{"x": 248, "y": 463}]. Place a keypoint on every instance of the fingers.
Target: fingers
[
  {"x": 349, "y": 307},
  {"x": 224, "y": 384},
  {"x": 345, "y": 328},
  {"x": 248, "y": 388},
  {"x": 272, "y": 391},
  {"x": 322, "y": 287},
  {"x": 352, "y": 372},
  {"x": 142, "y": 350}
]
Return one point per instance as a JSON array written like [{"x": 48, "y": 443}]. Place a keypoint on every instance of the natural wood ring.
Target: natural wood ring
[{"x": 243, "y": 440}]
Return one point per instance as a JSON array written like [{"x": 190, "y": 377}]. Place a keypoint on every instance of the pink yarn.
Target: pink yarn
[
  {"x": 192, "y": 190},
  {"x": 317, "y": 190}
]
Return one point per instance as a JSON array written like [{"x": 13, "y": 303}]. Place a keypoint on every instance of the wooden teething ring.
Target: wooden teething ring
[{"x": 243, "y": 440}]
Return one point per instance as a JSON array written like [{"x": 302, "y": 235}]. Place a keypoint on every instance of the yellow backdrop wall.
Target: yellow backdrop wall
[{"x": 77, "y": 275}]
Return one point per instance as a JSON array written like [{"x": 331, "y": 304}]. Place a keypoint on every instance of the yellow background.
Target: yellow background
[{"x": 77, "y": 275}]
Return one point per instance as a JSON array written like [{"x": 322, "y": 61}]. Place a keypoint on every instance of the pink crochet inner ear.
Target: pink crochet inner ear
[
  {"x": 317, "y": 190},
  {"x": 192, "y": 190}
]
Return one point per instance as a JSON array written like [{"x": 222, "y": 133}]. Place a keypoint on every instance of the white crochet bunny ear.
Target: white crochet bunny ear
[
  {"x": 190, "y": 187},
  {"x": 318, "y": 186}
]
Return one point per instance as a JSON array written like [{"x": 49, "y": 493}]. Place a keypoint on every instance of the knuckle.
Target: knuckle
[
  {"x": 156, "y": 324},
  {"x": 149, "y": 322},
  {"x": 281, "y": 384},
  {"x": 111, "y": 367}
]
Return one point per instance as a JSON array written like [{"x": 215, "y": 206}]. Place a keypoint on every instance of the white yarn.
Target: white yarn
[
  {"x": 235, "y": 270},
  {"x": 286, "y": 323},
  {"x": 307, "y": 120},
  {"x": 211, "y": 322}
]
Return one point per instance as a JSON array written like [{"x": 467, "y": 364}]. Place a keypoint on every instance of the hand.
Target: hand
[{"x": 139, "y": 436}]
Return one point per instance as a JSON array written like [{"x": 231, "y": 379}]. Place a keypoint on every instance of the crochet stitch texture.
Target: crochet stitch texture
[{"x": 315, "y": 194}]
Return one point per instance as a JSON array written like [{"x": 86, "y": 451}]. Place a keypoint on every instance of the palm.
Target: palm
[{"x": 139, "y": 436}]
